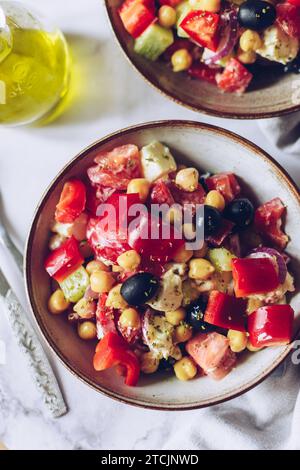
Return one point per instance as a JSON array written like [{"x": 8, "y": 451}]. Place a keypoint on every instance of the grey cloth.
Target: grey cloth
[{"x": 283, "y": 132}]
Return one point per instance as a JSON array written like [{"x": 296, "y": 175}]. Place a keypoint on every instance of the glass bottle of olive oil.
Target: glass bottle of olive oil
[{"x": 34, "y": 66}]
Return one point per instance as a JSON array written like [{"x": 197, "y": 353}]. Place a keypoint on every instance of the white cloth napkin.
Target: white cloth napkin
[
  {"x": 268, "y": 417},
  {"x": 283, "y": 132}
]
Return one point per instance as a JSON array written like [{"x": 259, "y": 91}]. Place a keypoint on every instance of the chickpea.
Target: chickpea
[
  {"x": 187, "y": 179},
  {"x": 208, "y": 5},
  {"x": 175, "y": 317},
  {"x": 85, "y": 308},
  {"x": 149, "y": 363},
  {"x": 141, "y": 186},
  {"x": 237, "y": 340},
  {"x": 182, "y": 333},
  {"x": 129, "y": 260},
  {"x": 115, "y": 299},
  {"x": 167, "y": 16},
  {"x": 176, "y": 353},
  {"x": 101, "y": 281},
  {"x": 250, "y": 41},
  {"x": 189, "y": 231},
  {"x": 246, "y": 57},
  {"x": 57, "y": 303},
  {"x": 174, "y": 215},
  {"x": 215, "y": 199},
  {"x": 181, "y": 60},
  {"x": 87, "y": 330},
  {"x": 200, "y": 268},
  {"x": 202, "y": 252},
  {"x": 130, "y": 318},
  {"x": 183, "y": 255},
  {"x": 251, "y": 348},
  {"x": 96, "y": 265},
  {"x": 185, "y": 369}
]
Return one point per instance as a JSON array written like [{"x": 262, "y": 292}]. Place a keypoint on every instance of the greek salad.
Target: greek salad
[
  {"x": 220, "y": 42},
  {"x": 155, "y": 304}
]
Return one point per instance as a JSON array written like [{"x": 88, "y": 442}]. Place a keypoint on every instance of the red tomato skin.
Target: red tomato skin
[
  {"x": 171, "y": 3},
  {"x": 112, "y": 350},
  {"x": 212, "y": 353},
  {"x": 202, "y": 27},
  {"x": 203, "y": 72},
  {"x": 235, "y": 78},
  {"x": 268, "y": 220},
  {"x": 294, "y": 2},
  {"x": 226, "y": 184},
  {"x": 161, "y": 194},
  {"x": 226, "y": 311},
  {"x": 72, "y": 202},
  {"x": 136, "y": 16},
  {"x": 115, "y": 169},
  {"x": 271, "y": 326},
  {"x": 254, "y": 276},
  {"x": 288, "y": 18},
  {"x": 110, "y": 240},
  {"x": 64, "y": 260},
  {"x": 188, "y": 200},
  {"x": 218, "y": 238},
  {"x": 156, "y": 250}
]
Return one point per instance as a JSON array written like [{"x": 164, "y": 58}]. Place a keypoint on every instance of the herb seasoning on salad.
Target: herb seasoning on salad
[
  {"x": 153, "y": 302},
  {"x": 216, "y": 40}
]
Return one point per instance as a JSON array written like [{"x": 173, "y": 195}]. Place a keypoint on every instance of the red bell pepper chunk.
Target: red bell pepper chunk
[
  {"x": 226, "y": 184},
  {"x": 64, "y": 260},
  {"x": 112, "y": 350},
  {"x": 254, "y": 276},
  {"x": 268, "y": 220},
  {"x": 271, "y": 325},
  {"x": 72, "y": 202},
  {"x": 107, "y": 237},
  {"x": 202, "y": 27},
  {"x": 235, "y": 78},
  {"x": 203, "y": 72},
  {"x": 225, "y": 311},
  {"x": 136, "y": 16}
]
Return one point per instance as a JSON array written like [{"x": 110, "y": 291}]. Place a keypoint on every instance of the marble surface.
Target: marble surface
[{"x": 110, "y": 96}]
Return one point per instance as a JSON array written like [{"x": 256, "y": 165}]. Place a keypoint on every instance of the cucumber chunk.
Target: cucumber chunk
[
  {"x": 157, "y": 161},
  {"x": 75, "y": 285},
  {"x": 182, "y": 11},
  {"x": 153, "y": 42},
  {"x": 221, "y": 259}
]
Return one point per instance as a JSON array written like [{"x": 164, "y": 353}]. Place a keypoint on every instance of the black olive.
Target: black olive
[
  {"x": 240, "y": 212},
  {"x": 202, "y": 181},
  {"x": 212, "y": 220},
  {"x": 139, "y": 288},
  {"x": 293, "y": 66},
  {"x": 167, "y": 364},
  {"x": 195, "y": 316},
  {"x": 256, "y": 14}
]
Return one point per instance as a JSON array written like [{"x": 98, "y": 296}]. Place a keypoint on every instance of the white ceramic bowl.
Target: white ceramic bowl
[{"x": 208, "y": 148}]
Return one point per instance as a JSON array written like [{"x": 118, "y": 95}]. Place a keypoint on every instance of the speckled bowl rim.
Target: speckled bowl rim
[
  {"x": 200, "y": 109},
  {"x": 235, "y": 138}
]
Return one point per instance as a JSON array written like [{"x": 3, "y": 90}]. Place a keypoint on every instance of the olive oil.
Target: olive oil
[{"x": 34, "y": 72}]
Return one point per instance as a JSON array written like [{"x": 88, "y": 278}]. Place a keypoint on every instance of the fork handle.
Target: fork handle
[{"x": 37, "y": 360}]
